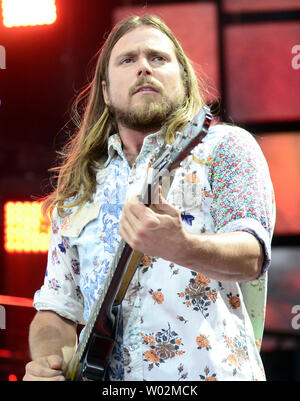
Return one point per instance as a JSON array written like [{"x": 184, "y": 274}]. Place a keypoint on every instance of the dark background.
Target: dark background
[{"x": 244, "y": 47}]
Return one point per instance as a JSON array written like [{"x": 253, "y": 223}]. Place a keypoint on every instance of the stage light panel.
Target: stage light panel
[
  {"x": 25, "y": 228},
  {"x": 282, "y": 152},
  {"x": 262, "y": 75},
  {"x": 260, "y": 5},
  {"x": 28, "y": 12}
]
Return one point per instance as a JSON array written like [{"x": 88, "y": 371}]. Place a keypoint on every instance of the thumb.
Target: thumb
[
  {"x": 163, "y": 207},
  {"x": 56, "y": 362}
]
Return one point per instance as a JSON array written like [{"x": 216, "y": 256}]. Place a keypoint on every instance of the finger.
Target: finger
[
  {"x": 134, "y": 232},
  {"x": 134, "y": 200},
  {"x": 163, "y": 207},
  {"x": 130, "y": 215},
  {"x": 40, "y": 368},
  {"x": 139, "y": 215},
  {"x": 132, "y": 229},
  {"x": 28, "y": 377},
  {"x": 135, "y": 207}
]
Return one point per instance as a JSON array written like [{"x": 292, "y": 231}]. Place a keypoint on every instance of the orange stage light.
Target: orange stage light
[
  {"x": 25, "y": 229},
  {"x": 15, "y": 301},
  {"x": 28, "y": 12}
]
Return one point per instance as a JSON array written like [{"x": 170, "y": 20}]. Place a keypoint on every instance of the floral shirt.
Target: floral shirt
[{"x": 176, "y": 324}]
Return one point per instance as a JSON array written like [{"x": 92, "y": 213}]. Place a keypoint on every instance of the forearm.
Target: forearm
[
  {"x": 236, "y": 256},
  {"x": 51, "y": 334}
]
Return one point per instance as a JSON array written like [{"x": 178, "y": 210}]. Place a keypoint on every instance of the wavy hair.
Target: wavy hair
[{"x": 75, "y": 173}]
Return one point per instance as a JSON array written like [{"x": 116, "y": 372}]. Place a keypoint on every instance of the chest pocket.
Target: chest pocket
[{"x": 74, "y": 223}]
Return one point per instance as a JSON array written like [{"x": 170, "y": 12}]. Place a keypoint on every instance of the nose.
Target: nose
[{"x": 144, "y": 68}]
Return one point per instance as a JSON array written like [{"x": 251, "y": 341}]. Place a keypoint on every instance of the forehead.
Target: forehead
[{"x": 143, "y": 38}]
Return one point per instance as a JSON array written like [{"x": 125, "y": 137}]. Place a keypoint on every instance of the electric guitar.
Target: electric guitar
[{"x": 90, "y": 360}]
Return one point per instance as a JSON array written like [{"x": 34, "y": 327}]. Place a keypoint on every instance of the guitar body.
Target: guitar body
[
  {"x": 90, "y": 361},
  {"x": 93, "y": 365}
]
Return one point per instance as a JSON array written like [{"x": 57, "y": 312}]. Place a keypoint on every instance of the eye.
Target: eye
[
  {"x": 158, "y": 58},
  {"x": 126, "y": 60}
]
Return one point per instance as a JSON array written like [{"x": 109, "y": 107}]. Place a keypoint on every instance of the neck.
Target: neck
[{"x": 132, "y": 142}]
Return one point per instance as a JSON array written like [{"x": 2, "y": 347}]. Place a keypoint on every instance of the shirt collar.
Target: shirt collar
[{"x": 150, "y": 142}]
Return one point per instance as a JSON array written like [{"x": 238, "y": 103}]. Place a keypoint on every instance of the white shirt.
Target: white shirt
[{"x": 176, "y": 324}]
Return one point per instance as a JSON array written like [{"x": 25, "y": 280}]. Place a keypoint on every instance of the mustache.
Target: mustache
[{"x": 144, "y": 81}]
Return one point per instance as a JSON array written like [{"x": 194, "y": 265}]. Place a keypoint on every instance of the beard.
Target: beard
[{"x": 148, "y": 116}]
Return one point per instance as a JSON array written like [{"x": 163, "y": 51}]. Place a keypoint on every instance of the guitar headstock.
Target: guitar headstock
[{"x": 171, "y": 156}]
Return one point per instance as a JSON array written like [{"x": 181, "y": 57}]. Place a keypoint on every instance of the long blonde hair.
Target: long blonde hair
[{"x": 76, "y": 171}]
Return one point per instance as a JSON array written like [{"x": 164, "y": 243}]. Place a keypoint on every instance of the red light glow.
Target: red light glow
[
  {"x": 25, "y": 229},
  {"x": 16, "y": 301},
  {"x": 28, "y": 12}
]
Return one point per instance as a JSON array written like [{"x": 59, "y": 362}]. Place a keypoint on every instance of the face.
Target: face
[{"x": 145, "y": 83}]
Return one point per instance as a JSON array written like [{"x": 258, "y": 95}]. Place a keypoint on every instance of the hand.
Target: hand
[
  {"x": 156, "y": 231},
  {"x": 47, "y": 368}
]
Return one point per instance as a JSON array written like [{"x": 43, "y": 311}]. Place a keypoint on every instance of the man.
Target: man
[{"x": 195, "y": 307}]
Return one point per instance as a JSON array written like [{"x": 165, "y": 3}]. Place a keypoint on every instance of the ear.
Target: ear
[{"x": 105, "y": 93}]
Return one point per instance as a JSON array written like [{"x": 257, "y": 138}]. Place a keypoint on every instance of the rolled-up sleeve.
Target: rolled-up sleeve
[
  {"x": 243, "y": 197},
  {"x": 60, "y": 291}
]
